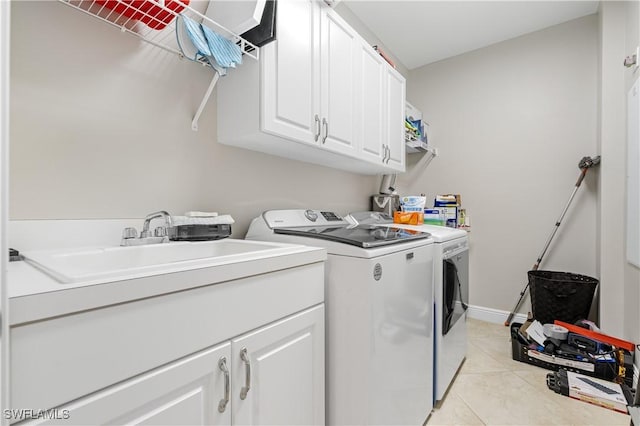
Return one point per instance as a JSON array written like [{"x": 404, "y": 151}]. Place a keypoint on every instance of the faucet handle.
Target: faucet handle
[
  {"x": 160, "y": 231},
  {"x": 128, "y": 233}
]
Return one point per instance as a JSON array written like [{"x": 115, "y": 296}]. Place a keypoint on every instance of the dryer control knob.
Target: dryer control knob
[{"x": 311, "y": 215}]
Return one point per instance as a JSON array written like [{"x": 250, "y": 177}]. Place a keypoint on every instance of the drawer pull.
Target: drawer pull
[
  {"x": 222, "y": 365},
  {"x": 247, "y": 364}
]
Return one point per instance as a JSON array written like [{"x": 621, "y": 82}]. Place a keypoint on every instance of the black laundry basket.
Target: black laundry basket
[{"x": 563, "y": 296}]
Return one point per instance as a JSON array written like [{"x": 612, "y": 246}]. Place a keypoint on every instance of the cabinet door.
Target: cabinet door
[
  {"x": 338, "y": 43},
  {"x": 188, "y": 391},
  {"x": 290, "y": 69},
  {"x": 282, "y": 366},
  {"x": 371, "y": 92},
  {"x": 395, "y": 119}
]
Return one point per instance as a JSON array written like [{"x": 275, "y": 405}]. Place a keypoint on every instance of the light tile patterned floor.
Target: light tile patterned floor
[{"x": 493, "y": 389}]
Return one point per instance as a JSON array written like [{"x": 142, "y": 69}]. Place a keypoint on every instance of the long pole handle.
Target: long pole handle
[
  {"x": 548, "y": 243},
  {"x": 559, "y": 221}
]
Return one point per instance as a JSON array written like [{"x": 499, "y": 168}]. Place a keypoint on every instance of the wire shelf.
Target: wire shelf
[{"x": 154, "y": 21}]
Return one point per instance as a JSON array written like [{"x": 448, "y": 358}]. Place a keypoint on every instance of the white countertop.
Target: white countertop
[{"x": 34, "y": 295}]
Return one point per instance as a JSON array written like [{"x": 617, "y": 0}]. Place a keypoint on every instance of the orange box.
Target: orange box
[{"x": 408, "y": 218}]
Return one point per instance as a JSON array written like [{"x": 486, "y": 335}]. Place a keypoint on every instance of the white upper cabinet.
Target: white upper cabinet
[
  {"x": 381, "y": 90},
  {"x": 291, "y": 75},
  {"x": 339, "y": 75},
  {"x": 320, "y": 94},
  {"x": 395, "y": 101},
  {"x": 371, "y": 88}
]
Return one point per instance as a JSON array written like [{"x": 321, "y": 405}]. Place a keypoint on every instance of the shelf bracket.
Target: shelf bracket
[{"x": 207, "y": 95}]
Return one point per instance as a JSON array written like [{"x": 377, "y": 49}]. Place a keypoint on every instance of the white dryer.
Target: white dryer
[
  {"x": 451, "y": 295},
  {"x": 379, "y": 314}
]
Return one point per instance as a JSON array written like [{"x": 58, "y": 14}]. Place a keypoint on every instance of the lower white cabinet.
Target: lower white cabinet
[
  {"x": 282, "y": 368},
  {"x": 187, "y": 391},
  {"x": 272, "y": 375},
  {"x": 180, "y": 358}
]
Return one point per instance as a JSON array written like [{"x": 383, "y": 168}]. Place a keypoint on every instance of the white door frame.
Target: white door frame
[{"x": 5, "y": 32}]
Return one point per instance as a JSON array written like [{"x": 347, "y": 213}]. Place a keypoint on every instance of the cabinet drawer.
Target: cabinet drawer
[
  {"x": 56, "y": 361},
  {"x": 186, "y": 391}
]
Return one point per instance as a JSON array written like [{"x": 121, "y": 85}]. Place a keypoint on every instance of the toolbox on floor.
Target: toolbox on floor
[{"x": 607, "y": 369}]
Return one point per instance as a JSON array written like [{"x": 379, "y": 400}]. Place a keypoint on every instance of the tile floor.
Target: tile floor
[{"x": 493, "y": 389}]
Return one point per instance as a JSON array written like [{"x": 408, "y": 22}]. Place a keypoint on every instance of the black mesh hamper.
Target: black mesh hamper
[{"x": 563, "y": 296}]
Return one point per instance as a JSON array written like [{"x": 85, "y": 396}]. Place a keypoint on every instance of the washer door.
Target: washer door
[{"x": 455, "y": 288}]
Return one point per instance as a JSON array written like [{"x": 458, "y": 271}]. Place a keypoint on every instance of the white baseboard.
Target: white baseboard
[{"x": 493, "y": 315}]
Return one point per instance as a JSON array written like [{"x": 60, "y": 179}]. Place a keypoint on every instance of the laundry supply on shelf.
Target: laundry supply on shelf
[
  {"x": 413, "y": 203},
  {"x": 408, "y": 218},
  {"x": 151, "y": 13},
  {"x": 450, "y": 205},
  {"x": 434, "y": 217}
]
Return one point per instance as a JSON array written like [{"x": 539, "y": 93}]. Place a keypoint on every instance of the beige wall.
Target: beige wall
[
  {"x": 612, "y": 146},
  {"x": 343, "y": 10},
  {"x": 101, "y": 128},
  {"x": 632, "y": 273},
  {"x": 511, "y": 122},
  {"x": 620, "y": 299}
]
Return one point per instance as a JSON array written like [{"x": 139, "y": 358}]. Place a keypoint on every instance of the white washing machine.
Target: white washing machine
[
  {"x": 451, "y": 295},
  {"x": 379, "y": 314}
]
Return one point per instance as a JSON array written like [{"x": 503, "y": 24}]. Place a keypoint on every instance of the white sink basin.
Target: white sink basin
[{"x": 117, "y": 263}]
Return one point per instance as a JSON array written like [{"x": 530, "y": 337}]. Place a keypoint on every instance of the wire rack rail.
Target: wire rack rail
[{"x": 154, "y": 21}]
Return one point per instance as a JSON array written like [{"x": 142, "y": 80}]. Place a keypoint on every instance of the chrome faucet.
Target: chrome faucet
[
  {"x": 145, "y": 228},
  {"x": 130, "y": 235}
]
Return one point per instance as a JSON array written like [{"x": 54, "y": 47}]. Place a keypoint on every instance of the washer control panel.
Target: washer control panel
[
  {"x": 331, "y": 216},
  {"x": 300, "y": 217}
]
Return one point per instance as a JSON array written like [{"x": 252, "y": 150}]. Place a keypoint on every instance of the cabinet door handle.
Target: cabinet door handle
[
  {"x": 222, "y": 365},
  {"x": 247, "y": 365},
  {"x": 325, "y": 125},
  {"x": 317, "y": 135},
  {"x": 388, "y": 154},
  {"x": 384, "y": 156}
]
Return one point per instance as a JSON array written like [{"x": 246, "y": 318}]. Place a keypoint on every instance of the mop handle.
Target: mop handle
[
  {"x": 584, "y": 164},
  {"x": 559, "y": 221}
]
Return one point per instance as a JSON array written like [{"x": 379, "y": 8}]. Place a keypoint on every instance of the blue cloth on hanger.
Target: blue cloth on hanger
[
  {"x": 225, "y": 52},
  {"x": 196, "y": 36}
]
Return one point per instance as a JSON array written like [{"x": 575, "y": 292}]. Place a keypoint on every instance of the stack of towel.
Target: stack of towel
[
  {"x": 220, "y": 52},
  {"x": 202, "y": 218}
]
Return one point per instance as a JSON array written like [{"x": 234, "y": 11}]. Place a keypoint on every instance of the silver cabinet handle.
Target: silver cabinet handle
[
  {"x": 384, "y": 157},
  {"x": 388, "y": 154},
  {"x": 317, "y": 135},
  {"x": 325, "y": 125},
  {"x": 247, "y": 364},
  {"x": 222, "y": 365}
]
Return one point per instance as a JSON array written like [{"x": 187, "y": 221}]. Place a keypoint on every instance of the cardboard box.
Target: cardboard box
[
  {"x": 450, "y": 213},
  {"x": 447, "y": 200},
  {"x": 434, "y": 217},
  {"x": 596, "y": 391}
]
